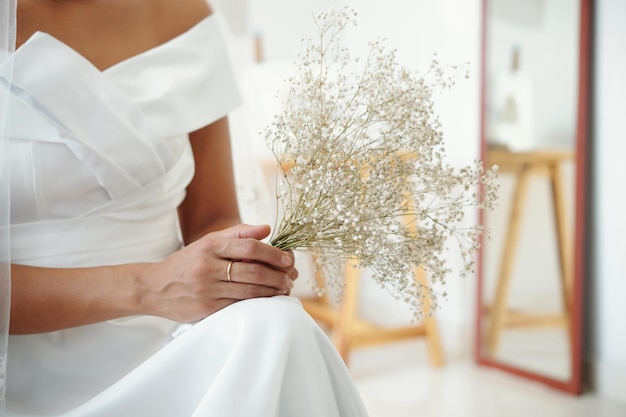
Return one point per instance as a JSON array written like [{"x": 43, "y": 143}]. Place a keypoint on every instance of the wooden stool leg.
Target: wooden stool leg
[
  {"x": 560, "y": 221},
  {"x": 431, "y": 331},
  {"x": 429, "y": 324},
  {"x": 498, "y": 312},
  {"x": 320, "y": 306},
  {"x": 344, "y": 321}
]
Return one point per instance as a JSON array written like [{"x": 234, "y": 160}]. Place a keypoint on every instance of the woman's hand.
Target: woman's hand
[{"x": 192, "y": 283}]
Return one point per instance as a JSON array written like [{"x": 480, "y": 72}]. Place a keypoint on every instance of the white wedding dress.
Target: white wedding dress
[{"x": 99, "y": 163}]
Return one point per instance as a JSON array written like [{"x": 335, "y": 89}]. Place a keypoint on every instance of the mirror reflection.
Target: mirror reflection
[{"x": 531, "y": 82}]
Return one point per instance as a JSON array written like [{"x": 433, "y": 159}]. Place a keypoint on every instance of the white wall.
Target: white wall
[
  {"x": 606, "y": 350},
  {"x": 553, "y": 76}
]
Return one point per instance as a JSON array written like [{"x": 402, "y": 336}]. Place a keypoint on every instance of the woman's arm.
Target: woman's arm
[
  {"x": 187, "y": 286},
  {"x": 46, "y": 299},
  {"x": 211, "y": 200}
]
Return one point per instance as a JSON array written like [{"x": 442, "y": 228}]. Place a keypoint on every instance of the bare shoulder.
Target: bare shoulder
[
  {"x": 109, "y": 31},
  {"x": 173, "y": 17}
]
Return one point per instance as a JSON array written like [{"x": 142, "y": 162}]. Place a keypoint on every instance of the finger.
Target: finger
[
  {"x": 242, "y": 242},
  {"x": 252, "y": 250},
  {"x": 293, "y": 274},
  {"x": 259, "y": 275},
  {"x": 290, "y": 265},
  {"x": 244, "y": 231}
]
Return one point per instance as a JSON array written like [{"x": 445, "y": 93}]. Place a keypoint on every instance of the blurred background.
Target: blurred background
[{"x": 521, "y": 107}]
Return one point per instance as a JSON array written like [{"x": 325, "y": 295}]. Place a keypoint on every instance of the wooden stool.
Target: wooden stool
[
  {"x": 348, "y": 329},
  {"x": 524, "y": 166}
]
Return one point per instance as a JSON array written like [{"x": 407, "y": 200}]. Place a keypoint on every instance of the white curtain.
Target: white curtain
[{"x": 7, "y": 45}]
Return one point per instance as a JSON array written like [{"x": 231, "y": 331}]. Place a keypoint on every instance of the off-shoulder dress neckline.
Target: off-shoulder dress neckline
[{"x": 156, "y": 48}]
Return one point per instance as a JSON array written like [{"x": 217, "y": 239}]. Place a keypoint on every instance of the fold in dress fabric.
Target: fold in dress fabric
[{"x": 100, "y": 161}]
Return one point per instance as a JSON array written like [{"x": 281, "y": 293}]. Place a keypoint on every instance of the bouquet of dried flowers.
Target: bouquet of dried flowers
[{"x": 362, "y": 173}]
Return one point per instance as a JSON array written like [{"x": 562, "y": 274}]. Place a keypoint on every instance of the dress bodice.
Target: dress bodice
[{"x": 103, "y": 156}]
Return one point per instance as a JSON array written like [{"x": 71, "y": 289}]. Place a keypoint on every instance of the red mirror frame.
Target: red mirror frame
[{"x": 575, "y": 384}]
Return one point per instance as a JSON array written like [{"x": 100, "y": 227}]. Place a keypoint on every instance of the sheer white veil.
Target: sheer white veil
[{"x": 7, "y": 45}]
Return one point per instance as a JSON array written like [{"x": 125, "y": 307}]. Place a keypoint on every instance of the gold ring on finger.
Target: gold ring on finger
[{"x": 228, "y": 268}]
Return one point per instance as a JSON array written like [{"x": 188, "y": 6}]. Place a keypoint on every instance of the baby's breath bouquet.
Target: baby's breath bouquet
[{"x": 362, "y": 173}]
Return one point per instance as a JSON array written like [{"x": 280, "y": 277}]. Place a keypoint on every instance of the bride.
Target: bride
[{"x": 136, "y": 290}]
